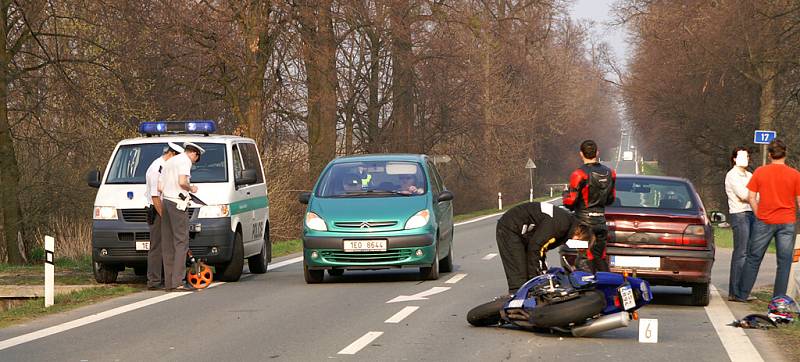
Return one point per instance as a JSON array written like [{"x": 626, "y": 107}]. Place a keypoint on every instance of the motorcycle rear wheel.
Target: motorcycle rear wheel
[
  {"x": 487, "y": 314},
  {"x": 587, "y": 305}
]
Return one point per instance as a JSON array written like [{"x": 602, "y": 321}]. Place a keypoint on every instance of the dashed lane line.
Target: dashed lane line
[
  {"x": 360, "y": 343},
  {"x": 402, "y": 314},
  {"x": 489, "y": 256},
  {"x": 456, "y": 278}
]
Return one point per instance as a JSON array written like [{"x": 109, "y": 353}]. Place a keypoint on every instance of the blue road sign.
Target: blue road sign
[{"x": 764, "y": 137}]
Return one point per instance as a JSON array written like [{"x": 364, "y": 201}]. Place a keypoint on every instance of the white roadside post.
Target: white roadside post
[
  {"x": 500, "y": 201},
  {"x": 49, "y": 259},
  {"x": 530, "y": 166},
  {"x": 793, "y": 289}
]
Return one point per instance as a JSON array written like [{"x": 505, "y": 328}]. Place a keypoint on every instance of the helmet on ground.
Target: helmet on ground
[{"x": 783, "y": 309}]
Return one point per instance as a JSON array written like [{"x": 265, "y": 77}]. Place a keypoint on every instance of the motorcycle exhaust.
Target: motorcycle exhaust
[{"x": 602, "y": 324}]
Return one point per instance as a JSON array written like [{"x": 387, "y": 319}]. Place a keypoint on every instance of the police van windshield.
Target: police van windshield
[
  {"x": 131, "y": 162},
  {"x": 373, "y": 179}
]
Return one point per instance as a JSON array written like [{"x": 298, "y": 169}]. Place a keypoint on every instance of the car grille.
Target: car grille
[
  {"x": 199, "y": 251},
  {"x": 362, "y": 224},
  {"x": 138, "y": 236},
  {"x": 366, "y": 257},
  {"x": 140, "y": 215}
]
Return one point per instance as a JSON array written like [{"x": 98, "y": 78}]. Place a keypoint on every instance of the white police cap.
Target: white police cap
[
  {"x": 174, "y": 147},
  {"x": 187, "y": 144}
]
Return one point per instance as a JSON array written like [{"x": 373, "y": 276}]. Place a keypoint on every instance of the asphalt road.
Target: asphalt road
[{"x": 276, "y": 316}]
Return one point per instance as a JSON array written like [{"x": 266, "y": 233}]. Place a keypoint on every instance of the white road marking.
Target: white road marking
[
  {"x": 735, "y": 340},
  {"x": 284, "y": 263},
  {"x": 11, "y": 342},
  {"x": 489, "y": 256},
  {"x": 360, "y": 343},
  {"x": 402, "y": 314},
  {"x": 491, "y": 216},
  {"x": 456, "y": 278},
  {"x": 419, "y": 296}
]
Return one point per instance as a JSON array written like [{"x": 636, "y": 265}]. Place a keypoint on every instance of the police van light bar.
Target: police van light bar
[{"x": 163, "y": 127}]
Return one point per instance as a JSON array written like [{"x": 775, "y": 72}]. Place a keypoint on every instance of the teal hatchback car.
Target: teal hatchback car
[{"x": 377, "y": 212}]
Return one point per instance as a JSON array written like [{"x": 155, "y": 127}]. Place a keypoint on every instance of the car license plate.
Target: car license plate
[
  {"x": 142, "y": 245},
  {"x": 364, "y": 245},
  {"x": 627, "y": 297},
  {"x": 644, "y": 262}
]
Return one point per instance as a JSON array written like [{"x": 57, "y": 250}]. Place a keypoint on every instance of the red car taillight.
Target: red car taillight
[{"x": 694, "y": 235}]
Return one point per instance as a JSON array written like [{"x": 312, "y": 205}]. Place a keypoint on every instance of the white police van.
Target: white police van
[{"x": 230, "y": 180}]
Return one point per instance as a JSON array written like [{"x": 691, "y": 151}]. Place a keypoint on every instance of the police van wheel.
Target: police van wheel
[
  {"x": 431, "y": 272},
  {"x": 104, "y": 273},
  {"x": 446, "y": 264},
  {"x": 232, "y": 270},
  {"x": 258, "y": 263},
  {"x": 140, "y": 270}
]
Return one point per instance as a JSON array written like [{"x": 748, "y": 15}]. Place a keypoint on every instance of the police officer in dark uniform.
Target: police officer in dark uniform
[
  {"x": 526, "y": 232},
  {"x": 591, "y": 189}
]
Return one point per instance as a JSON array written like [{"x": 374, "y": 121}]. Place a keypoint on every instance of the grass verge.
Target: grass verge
[
  {"x": 34, "y": 308},
  {"x": 723, "y": 238},
  {"x": 287, "y": 247},
  {"x": 652, "y": 169},
  {"x": 787, "y": 336}
]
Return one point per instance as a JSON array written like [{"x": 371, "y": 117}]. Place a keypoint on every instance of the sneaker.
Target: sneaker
[
  {"x": 155, "y": 287},
  {"x": 185, "y": 288}
]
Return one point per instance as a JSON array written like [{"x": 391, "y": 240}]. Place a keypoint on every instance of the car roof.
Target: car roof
[
  {"x": 411, "y": 157},
  {"x": 180, "y": 138},
  {"x": 648, "y": 177}
]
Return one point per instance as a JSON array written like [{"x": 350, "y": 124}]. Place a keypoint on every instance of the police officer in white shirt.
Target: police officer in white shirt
[
  {"x": 154, "y": 212},
  {"x": 741, "y": 214},
  {"x": 175, "y": 223}
]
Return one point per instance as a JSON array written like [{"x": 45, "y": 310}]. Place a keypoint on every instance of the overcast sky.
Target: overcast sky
[{"x": 599, "y": 12}]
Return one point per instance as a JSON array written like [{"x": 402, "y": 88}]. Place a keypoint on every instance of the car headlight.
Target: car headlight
[
  {"x": 214, "y": 211},
  {"x": 314, "y": 222},
  {"x": 419, "y": 220},
  {"x": 105, "y": 213}
]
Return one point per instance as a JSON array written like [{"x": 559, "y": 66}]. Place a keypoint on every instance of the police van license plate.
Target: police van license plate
[
  {"x": 142, "y": 245},
  {"x": 626, "y": 293},
  {"x": 364, "y": 245}
]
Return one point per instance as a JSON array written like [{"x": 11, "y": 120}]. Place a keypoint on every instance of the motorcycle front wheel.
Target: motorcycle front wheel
[{"x": 487, "y": 314}]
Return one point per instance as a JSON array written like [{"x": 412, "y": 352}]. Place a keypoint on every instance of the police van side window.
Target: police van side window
[
  {"x": 237, "y": 161},
  {"x": 435, "y": 183},
  {"x": 251, "y": 161}
]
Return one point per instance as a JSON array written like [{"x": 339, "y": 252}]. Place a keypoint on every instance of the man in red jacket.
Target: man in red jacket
[{"x": 591, "y": 189}]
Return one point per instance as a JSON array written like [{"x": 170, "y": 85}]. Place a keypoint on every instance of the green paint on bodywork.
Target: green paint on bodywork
[{"x": 239, "y": 207}]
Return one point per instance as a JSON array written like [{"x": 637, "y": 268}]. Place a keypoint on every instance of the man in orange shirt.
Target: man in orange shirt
[{"x": 774, "y": 194}]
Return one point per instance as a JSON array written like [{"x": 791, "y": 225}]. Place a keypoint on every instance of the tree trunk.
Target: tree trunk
[
  {"x": 320, "y": 61},
  {"x": 402, "y": 78},
  {"x": 766, "y": 113},
  {"x": 373, "y": 85},
  {"x": 9, "y": 169}
]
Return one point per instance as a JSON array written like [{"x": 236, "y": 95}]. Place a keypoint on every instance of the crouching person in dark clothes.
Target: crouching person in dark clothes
[{"x": 526, "y": 232}]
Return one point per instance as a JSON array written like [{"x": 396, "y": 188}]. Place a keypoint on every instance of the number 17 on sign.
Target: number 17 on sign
[{"x": 648, "y": 330}]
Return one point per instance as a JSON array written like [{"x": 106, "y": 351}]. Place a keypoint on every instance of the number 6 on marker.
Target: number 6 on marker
[{"x": 648, "y": 330}]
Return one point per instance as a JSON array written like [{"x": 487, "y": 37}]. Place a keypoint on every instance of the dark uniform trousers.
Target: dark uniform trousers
[
  {"x": 520, "y": 257},
  {"x": 174, "y": 243},
  {"x": 154, "y": 255}
]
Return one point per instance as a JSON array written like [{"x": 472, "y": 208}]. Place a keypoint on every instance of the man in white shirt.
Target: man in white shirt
[
  {"x": 175, "y": 223},
  {"x": 154, "y": 212},
  {"x": 741, "y": 214}
]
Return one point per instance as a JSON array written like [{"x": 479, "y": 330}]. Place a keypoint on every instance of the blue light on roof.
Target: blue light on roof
[{"x": 179, "y": 127}]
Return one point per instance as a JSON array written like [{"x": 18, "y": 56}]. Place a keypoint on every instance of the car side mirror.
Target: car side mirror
[
  {"x": 717, "y": 217},
  {"x": 93, "y": 178},
  {"x": 444, "y": 196},
  {"x": 304, "y": 197},
  {"x": 246, "y": 177}
]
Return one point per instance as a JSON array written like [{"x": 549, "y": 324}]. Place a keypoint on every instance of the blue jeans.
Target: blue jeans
[
  {"x": 760, "y": 237},
  {"x": 741, "y": 224}
]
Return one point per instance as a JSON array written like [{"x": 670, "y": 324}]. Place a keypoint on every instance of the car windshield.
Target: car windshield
[
  {"x": 654, "y": 194},
  {"x": 373, "y": 179},
  {"x": 131, "y": 162}
]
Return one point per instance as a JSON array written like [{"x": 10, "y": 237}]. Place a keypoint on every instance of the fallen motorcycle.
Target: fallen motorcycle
[{"x": 568, "y": 301}]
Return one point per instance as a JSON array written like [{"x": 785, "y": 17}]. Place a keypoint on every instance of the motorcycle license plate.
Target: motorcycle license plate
[
  {"x": 628, "y": 302},
  {"x": 364, "y": 245},
  {"x": 142, "y": 245}
]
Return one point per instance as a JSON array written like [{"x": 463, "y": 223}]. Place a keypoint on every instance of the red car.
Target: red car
[{"x": 658, "y": 227}]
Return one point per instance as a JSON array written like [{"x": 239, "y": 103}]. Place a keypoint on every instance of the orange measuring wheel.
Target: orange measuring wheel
[{"x": 199, "y": 275}]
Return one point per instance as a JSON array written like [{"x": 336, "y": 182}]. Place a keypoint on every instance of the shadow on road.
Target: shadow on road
[
  {"x": 383, "y": 276},
  {"x": 663, "y": 295}
]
